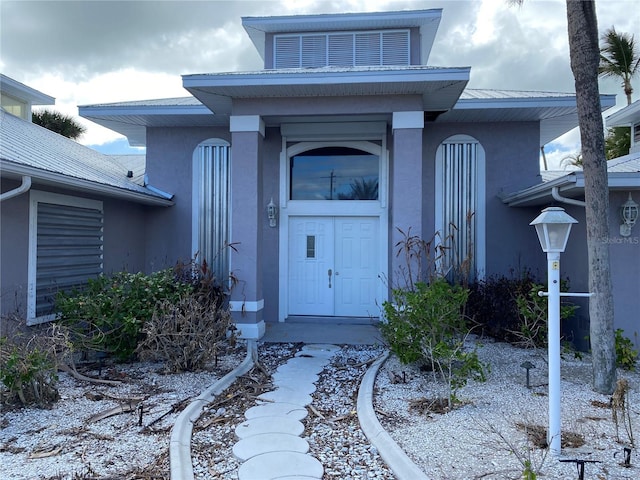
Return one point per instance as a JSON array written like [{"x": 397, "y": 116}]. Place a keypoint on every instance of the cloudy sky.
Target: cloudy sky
[{"x": 87, "y": 52}]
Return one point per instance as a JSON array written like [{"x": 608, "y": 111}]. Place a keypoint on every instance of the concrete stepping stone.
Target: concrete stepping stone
[
  {"x": 296, "y": 385},
  {"x": 278, "y": 409},
  {"x": 278, "y": 465},
  {"x": 288, "y": 396},
  {"x": 260, "y": 425},
  {"x": 268, "y": 442},
  {"x": 270, "y": 445},
  {"x": 303, "y": 365},
  {"x": 308, "y": 377}
]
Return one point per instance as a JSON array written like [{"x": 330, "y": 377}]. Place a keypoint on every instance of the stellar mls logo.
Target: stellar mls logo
[{"x": 621, "y": 240}]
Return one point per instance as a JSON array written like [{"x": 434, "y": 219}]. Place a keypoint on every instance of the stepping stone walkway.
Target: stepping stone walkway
[{"x": 269, "y": 440}]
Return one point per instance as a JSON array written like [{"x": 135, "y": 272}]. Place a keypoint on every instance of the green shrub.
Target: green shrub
[
  {"x": 427, "y": 325},
  {"x": 626, "y": 355},
  {"x": 109, "y": 314},
  {"x": 534, "y": 317},
  {"x": 28, "y": 373}
]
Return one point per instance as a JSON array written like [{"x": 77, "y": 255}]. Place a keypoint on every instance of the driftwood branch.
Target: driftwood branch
[
  {"x": 125, "y": 408},
  {"x": 77, "y": 375}
]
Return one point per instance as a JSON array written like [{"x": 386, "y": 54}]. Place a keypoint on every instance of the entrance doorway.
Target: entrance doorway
[{"x": 333, "y": 266}]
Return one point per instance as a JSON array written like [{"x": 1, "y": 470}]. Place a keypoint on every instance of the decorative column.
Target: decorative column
[
  {"x": 247, "y": 300},
  {"x": 407, "y": 184}
]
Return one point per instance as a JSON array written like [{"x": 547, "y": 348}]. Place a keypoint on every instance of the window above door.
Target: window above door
[{"x": 334, "y": 173}]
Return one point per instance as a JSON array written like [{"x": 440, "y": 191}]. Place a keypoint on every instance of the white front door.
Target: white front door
[{"x": 333, "y": 266}]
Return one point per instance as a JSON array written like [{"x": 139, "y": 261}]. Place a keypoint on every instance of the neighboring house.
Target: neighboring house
[
  {"x": 313, "y": 166},
  {"x": 566, "y": 189},
  {"x": 17, "y": 98},
  {"x": 628, "y": 116},
  {"x": 67, "y": 213}
]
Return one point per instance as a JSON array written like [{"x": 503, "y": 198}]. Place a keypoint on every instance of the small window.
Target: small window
[
  {"x": 311, "y": 246},
  {"x": 65, "y": 249},
  {"x": 334, "y": 173}
]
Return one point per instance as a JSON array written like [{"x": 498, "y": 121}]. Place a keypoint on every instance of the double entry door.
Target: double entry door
[{"x": 333, "y": 266}]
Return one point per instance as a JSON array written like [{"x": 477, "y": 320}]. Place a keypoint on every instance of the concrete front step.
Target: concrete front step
[
  {"x": 268, "y": 442},
  {"x": 279, "y": 465}
]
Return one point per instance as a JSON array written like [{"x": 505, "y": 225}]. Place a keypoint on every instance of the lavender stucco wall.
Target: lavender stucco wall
[
  {"x": 14, "y": 250},
  {"x": 624, "y": 256},
  {"x": 271, "y": 189},
  {"x": 169, "y": 168},
  {"x": 512, "y": 162},
  {"x": 123, "y": 227}
]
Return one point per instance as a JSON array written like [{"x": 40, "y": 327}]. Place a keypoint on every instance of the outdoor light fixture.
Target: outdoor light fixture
[
  {"x": 272, "y": 213},
  {"x": 629, "y": 214},
  {"x": 553, "y": 226}
]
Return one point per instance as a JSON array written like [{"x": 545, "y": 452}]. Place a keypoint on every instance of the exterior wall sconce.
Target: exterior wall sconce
[
  {"x": 629, "y": 214},
  {"x": 272, "y": 213}
]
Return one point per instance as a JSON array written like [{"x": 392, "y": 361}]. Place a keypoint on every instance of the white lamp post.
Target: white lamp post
[{"x": 553, "y": 226}]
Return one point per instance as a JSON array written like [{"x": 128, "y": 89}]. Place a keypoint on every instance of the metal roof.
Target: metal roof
[
  {"x": 439, "y": 87},
  {"x": 626, "y": 116},
  {"x": 426, "y": 20},
  {"x": 556, "y": 111},
  {"x": 49, "y": 158},
  {"x": 623, "y": 174},
  {"x": 131, "y": 118}
]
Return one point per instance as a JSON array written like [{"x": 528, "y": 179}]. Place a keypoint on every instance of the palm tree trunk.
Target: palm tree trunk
[{"x": 585, "y": 55}]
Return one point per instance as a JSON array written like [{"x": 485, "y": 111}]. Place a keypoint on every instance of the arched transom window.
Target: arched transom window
[{"x": 334, "y": 173}]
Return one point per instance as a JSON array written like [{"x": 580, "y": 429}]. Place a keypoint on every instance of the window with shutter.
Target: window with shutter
[
  {"x": 287, "y": 52},
  {"x": 460, "y": 210},
  {"x": 65, "y": 248},
  {"x": 211, "y": 205},
  {"x": 367, "y": 49},
  {"x": 341, "y": 50},
  {"x": 314, "y": 51},
  {"x": 395, "y": 48},
  {"x": 344, "y": 49}
]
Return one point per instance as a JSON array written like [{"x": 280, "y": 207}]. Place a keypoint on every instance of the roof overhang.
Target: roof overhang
[
  {"x": 20, "y": 91},
  {"x": 440, "y": 88},
  {"x": 131, "y": 119},
  {"x": 556, "y": 112},
  {"x": 43, "y": 177},
  {"x": 626, "y": 116},
  {"x": 570, "y": 186},
  {"x": 426, "y": 20}
]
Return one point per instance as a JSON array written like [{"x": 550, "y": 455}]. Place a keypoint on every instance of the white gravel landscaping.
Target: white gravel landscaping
[{"x": 477, "y": 440}]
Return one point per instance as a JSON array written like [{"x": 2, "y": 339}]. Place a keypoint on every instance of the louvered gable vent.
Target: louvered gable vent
[{"x": 344, "y": 49}]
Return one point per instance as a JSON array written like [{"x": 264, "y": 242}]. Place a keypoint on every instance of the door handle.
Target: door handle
[{"x": 329, "y": 272}]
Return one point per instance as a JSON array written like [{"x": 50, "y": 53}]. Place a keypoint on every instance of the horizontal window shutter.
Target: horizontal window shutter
[
  {"x": 344, "y": 49},
  {"x": 287, "y": 52},
  {"x": 314, "y": 51},
  {"x": 69, "y": 250},
  {"x": 367, "y": 49},
  {"x": 341, "y": 50},
  {"x": 395, "y": 48}
]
